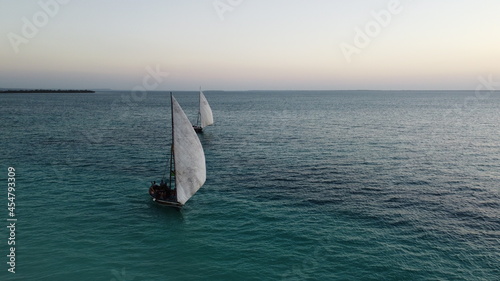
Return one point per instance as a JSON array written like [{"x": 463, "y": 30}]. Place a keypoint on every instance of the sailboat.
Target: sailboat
[
  {"x": 205, "y": 117},
  {"x": 187, "y": 163}
]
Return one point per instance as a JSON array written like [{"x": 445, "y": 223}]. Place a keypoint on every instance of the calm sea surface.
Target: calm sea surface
[{"x": 357, "y": 185}]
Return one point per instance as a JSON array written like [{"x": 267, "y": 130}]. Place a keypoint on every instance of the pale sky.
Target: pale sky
[{"x": 249, "y": 44}]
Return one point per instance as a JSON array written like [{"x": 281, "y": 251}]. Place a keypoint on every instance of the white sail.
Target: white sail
[
  {"x": 206, "y": 117},
  {"x": 190, "y": 171}
]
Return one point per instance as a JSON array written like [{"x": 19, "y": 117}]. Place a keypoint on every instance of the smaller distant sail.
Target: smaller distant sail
[{"x": 206, "y": 117}]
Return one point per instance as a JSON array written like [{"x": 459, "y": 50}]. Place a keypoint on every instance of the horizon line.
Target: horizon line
[{"x": 249, "y": 90}]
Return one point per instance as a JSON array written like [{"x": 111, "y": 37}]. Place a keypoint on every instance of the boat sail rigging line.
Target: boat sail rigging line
[{"x": 187, "y": 163}]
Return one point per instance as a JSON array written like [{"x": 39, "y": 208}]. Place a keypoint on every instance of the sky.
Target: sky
[{"x": 249, "y": 44}]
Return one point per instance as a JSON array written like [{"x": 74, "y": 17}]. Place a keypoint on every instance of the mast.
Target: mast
[
  {"x": 172, "y": 155},
  {"x": 198, "y": 120}
]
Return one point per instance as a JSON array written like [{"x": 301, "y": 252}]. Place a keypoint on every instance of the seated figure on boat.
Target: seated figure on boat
[
  {"x": 198, "y": 129},
  {"x": 162, "y": 191}
]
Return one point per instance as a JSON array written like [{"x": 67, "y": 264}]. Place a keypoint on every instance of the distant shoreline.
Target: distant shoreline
[{"x": 46, "y": 91}]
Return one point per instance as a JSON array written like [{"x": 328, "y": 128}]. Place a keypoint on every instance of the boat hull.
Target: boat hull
[
  {"x": 198, "y": 129},
  {"x": 163, "y": 201},
  {"x": 168, "y": 203}
]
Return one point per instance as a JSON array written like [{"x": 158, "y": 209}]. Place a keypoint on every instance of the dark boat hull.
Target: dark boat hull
[
  {"x": 163, "y": 201},
  {"x": 168, "y": 203},
  {"x": 198, "y": 129}
]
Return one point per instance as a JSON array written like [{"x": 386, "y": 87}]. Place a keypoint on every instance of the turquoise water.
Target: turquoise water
[{"x": 336, "y": 185}]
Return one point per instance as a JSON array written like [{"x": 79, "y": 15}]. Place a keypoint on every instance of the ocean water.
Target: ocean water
[{"x": 354, "y": 185}]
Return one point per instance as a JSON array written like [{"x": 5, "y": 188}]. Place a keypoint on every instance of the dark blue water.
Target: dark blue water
[{"x": 359, "y": 185}]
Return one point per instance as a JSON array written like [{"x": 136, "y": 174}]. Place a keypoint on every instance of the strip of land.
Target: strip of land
[{"x": 47, "y": 91}]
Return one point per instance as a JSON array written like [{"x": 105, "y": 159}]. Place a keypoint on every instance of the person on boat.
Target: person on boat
[
  {"x": 163, "y": 184},
  {"x": 163, "y": 195},
  {"x": 155, "y": 190},
  {"x": 173, "y": 194}
]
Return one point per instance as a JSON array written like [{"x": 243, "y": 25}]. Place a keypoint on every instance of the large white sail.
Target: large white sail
[
  {"x": 206, "y": 117},
  {"x": 190, "y": 171}
]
